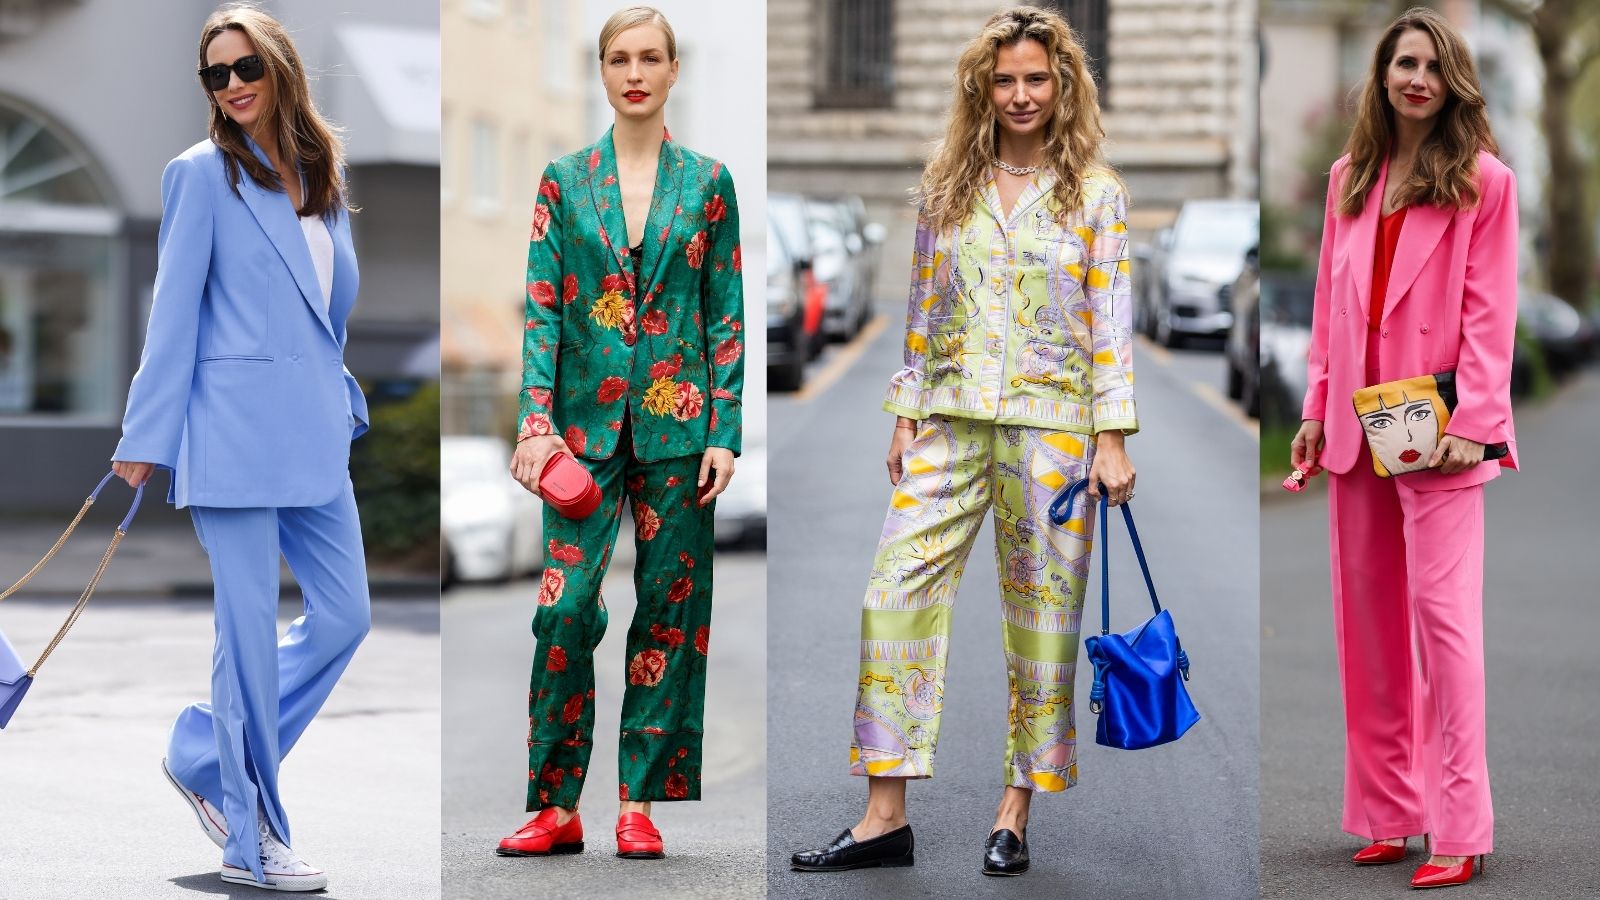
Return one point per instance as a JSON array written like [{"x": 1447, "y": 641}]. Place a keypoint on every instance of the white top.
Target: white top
[{"x": 320, "y": 243}]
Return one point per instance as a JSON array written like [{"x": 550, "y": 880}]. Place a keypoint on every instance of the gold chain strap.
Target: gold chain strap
[
  {"x": 83, "y": 600},
  {"x": 53, "y": 550}
]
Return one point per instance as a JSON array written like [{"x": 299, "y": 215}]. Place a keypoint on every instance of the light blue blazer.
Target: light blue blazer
[{"x": 242, "y": 390}]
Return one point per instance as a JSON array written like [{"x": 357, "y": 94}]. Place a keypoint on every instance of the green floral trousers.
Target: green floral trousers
[{"x": 664, "y": 702}]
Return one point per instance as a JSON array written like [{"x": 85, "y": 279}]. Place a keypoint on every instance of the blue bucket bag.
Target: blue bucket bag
[
  {"x": 1139, "y": 675},
  {"x": 14, "y": 678}
]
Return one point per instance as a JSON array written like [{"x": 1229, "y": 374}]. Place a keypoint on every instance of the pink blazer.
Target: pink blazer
[{"x": 1451, "y": 305}]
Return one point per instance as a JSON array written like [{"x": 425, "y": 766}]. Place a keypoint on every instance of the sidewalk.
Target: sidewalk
[{"x": 160, "y": 557}]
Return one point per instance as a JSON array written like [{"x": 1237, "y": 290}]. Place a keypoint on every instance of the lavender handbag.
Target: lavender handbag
[{"x": 14, "y": 679}]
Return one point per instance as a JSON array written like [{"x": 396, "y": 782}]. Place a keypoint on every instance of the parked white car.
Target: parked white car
[{"x": 490, "y": 523}]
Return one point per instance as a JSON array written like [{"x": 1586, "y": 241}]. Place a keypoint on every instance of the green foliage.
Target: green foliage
[{"x": 395, "y": 468}]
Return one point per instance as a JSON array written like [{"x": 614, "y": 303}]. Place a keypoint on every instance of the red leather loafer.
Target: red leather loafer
[
  {"x": 637, "y": 838},
  {"x": 543, "y": 837},
  {"x": 1430, "y": 876}
]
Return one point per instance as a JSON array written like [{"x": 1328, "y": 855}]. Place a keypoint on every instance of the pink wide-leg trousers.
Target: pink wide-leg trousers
[{"x": 1408, "y": 619}]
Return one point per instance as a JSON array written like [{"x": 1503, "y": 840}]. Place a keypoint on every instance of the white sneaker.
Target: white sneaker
[
  {"x": 283, "y": 868},
  {"x": 212, "y": 822}
]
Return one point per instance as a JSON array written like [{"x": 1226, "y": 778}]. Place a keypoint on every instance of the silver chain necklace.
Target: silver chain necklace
[{"x": 1015, "y": 170}]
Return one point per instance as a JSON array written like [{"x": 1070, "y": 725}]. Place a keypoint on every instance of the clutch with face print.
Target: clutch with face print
[{"x": 1405, "y": 420}]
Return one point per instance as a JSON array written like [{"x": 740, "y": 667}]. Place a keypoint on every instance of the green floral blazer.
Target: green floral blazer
[{"x": 667, "y": 352}]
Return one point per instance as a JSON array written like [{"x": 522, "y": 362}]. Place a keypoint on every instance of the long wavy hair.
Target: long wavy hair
[
  {"x": 1446, "y": 170},
  {"x": 959, "y": 167},
  {"x": 298, "y": 133}
]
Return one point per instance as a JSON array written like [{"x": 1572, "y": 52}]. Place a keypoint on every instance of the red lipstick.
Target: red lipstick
[
  {"x": 1416, "y": 99},
  {"x": 1410, "y": 456}
]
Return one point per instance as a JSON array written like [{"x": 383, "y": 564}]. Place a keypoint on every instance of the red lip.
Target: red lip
[
  {"x": 1410, "y": 456},
  {"x": 1417, "y": 99},
  {"x": 635, "y": 96}
]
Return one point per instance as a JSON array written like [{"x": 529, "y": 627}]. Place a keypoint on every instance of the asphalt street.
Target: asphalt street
[
  {"x": 1174, "y": 821},
  {"x": 85, "y": 811},
  {"x": 1540, "y": 622},
  {"x": 714, "y": 847}
]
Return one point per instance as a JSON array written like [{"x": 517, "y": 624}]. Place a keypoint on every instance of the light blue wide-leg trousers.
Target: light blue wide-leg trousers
[{"x": 265, "y": 689}]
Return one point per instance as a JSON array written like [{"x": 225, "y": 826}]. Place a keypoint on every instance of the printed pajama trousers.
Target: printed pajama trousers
[{"x": 954, "y": 471}]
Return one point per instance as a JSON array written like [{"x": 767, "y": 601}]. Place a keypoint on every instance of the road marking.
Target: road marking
[
  {"x": 1230, "y": 411},
  {"x": 1163, "y": 355},
  {"x": 841, "y": 361}
]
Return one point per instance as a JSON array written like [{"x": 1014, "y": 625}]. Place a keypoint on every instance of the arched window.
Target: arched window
[{"x": 59, "y": 324}]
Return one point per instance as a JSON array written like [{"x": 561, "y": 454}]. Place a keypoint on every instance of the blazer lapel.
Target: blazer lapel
[
  {"x": 990, "y": 197},
  {"x": 1419, "y": 235},
  {"x": 663, "y": 213},
  {"x": 276, "y": 216},
  {"x": 606, "y": 196},
  {"x": 1363, "y": 234}
]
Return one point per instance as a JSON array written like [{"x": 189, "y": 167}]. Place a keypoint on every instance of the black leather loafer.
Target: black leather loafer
[
  {"x": 892, "y": 848},
  {"x": 1005, "y": 854}
]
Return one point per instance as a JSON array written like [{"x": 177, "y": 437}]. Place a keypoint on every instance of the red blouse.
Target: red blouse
[{"x": 1382, "y": 261}]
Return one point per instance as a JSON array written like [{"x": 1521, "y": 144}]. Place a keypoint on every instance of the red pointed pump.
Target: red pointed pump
[
  {"x": 1428, "y": 876},
  {"x": 1378, "y": 853}
]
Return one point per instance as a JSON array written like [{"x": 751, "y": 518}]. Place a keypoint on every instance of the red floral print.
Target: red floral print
[
  {"x": 622, "y": 792},
  {"x": 654, "y": 322},
  {"x": 594, "y": 159},
  {"x": 573, "y": 709},
  {"x": 613, "y": 387},
  {"x": 575, "y": 439},
  {"x": 728, "y": 351},
  {"x": 680, "y": 590},
  {"x": 697, "y": 249},
  {"x": 672, "y": 637},
  {"x": 557, "y": 660},
  {"x": 690, "y": 402},
  {"x": 668, "y": 367},
  {"x": 614, "y": 282},
  {"x": 534, "y": 424},
  {"x": 702, "y": 639},
  {"x": 539, "y": 396},
  {"x": 550, "y": 190},
  {"x": 716, "y": 209},
  {"x": 738, "y": 263},
  {"x": 569, "y": 288},
  {"x": 686, "y": 559},
  {"x": 567, "y": 553},
  {"x": 647, "y": 667},
  {"x": 541, "y": 223},
  {"x": 555, "y": 581},
  {"x": 542, "y": 292},
  {"x": 646, "y": 521},
  {"x": 677, "y": 786}
]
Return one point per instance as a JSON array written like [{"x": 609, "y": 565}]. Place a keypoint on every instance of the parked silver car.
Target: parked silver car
[{"x": 1192, "y": 262}]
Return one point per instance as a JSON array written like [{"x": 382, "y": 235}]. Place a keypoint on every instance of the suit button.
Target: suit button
[
  {"x": 628, "y": 339},
  {"x": 294, "y": 357},
  {"x": 1344, "y": 311},
  {"x": 1424, "y": 329},
  {"x": 1385, "y": 332}
]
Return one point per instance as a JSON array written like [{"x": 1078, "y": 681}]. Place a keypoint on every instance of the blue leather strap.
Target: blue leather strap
[{"x": 138, "y": 495}]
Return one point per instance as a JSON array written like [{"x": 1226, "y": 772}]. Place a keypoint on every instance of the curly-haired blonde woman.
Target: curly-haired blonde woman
[
  {"x": 1418, "y": 276},
  {"x": 241, "y": 392},
  {"x": 1017, "y": 380}
]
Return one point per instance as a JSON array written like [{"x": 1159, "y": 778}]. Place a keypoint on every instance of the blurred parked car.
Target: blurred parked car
[
  {"x": 1284, "y": 309},
  {"x": 742, "y": 508},
  {"x": 1244, "y": 338},
  {"x": 846, "y": 248},
  {"x": 490, "y": 523},
  {"x": 1566, "y": 336},
  {"x": 786, "y": 213},
  {"x": 788, "y": 343},
  {"x": 1192, "y": 261}
]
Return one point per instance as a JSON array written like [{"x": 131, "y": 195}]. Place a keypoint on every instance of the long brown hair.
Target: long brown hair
[
  {"x": 298, "y": 132},
  {"x": 1446, "y": 170},
  {"x": 960, "y": 162}
]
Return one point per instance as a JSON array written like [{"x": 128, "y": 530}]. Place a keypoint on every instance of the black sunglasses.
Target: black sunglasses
[{"x": 250, "y": 68}]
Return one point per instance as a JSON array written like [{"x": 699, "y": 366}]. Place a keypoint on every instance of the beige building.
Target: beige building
[
  {"x": 857, "y": 90},
  {"x": 513, "y": 99}
]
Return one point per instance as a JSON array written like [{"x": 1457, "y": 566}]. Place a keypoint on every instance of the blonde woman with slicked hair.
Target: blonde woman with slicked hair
[{"x": 1018, "y": 379}]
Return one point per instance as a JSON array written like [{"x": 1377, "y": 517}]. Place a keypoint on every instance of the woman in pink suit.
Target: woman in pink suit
[{"x": 1417, "y": 276}]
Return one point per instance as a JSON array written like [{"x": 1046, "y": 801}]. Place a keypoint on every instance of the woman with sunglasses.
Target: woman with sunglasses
[
  {"x": 633, "y": 363},
  {"x": 1418, "y": 276},
  {"x": 242, "y": 395},
  {"x": 1018, "y": 379}
]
